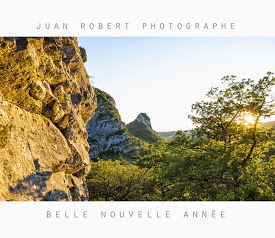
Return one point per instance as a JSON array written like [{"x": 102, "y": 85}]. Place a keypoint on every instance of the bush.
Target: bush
[
  {"x": 116, "y": 181},
  {"x": 83, "y": 54}
]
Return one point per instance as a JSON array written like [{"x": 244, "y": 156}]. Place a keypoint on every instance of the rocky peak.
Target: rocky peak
[
  {"x": 141, "y": 128},
  {"x": 144, "y": 119}
]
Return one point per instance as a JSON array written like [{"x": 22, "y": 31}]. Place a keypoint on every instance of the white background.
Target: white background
[
  {"x": 252, "y": 18},
  {"x": 243, "y": 219}
]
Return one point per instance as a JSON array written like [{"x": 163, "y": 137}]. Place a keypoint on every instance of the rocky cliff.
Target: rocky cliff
[
  {"x": 107, "y": 134},
  {"x": 45, "y": 102},
  {"x": 141, "y": 128}
]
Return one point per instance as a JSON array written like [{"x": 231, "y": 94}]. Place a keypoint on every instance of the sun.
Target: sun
[{"x": 249, "y": 119}]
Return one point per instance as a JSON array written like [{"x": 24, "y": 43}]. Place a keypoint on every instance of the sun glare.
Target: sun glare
[{"x": 249, "y": 119}]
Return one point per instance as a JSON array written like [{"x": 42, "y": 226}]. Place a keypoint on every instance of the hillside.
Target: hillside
[
  {"x": 141, "y": 128},
  {"x": 167, "y": 134}
]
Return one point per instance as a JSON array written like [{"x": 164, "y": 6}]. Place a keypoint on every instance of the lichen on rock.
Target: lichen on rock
[{"x": 43, "y": 138}]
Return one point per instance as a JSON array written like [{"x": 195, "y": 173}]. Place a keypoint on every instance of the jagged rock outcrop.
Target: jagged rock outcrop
[
  {"x": 45, "y": 102},
  {"x": 107, "y": 134},
  {"x": 141, "y": 128},
  {"x": 145, "y": 120}
]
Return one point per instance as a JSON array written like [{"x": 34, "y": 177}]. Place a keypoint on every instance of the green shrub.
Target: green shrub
[{"x": 83, "y": 54}]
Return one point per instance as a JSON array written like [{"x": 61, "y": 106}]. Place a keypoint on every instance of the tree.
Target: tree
[
  {"x": 116, "y": 181},
  {"x": 223, "y": 117}
]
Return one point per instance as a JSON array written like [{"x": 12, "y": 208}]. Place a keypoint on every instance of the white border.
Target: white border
[
  {"x": 242, "y": 219},
  {"x": 250, "y": 18},
  {"x": 220, "y": 219}
]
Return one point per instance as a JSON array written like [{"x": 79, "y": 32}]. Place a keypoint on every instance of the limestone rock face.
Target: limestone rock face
[
  {"x": 45, "y": 102},
  {"x": 107, "y": 134}
]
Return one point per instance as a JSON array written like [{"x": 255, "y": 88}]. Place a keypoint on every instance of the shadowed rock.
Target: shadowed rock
[
  {"x": 56, "y": 195},
  {"x": 33, "y": 186},
  {"x": 21, "y": 43}
]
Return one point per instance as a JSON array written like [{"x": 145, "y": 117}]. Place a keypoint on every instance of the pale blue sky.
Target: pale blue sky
[{"x": 163, "y": 76}]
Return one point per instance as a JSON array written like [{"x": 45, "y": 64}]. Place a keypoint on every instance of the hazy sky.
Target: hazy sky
[{"x": 164, "y": 76}]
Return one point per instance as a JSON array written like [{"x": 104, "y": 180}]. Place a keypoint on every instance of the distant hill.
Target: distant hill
[
  {"x": 269, "y": 123},
  {"x": 141, "y": 128},
  {"x": 167, "y": 134}
]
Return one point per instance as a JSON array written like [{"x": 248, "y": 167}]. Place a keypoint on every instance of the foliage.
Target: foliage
[
  {"x": 116, "y": 181},
  {"x": 83, "y": 54},
  {"x": 197, "y": 170},
  {"x": 223, "y": 118},
  {"x": 142, "y": 132}
]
